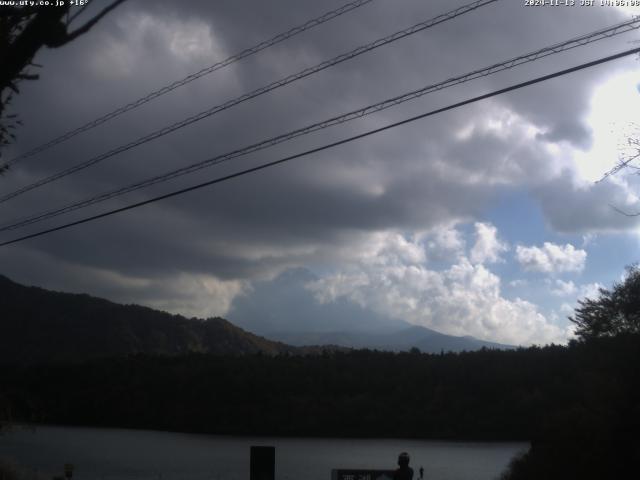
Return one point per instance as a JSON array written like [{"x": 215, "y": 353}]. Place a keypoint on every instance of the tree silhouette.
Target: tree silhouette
[
  {"x": 23, "y": 31},
  {"x": 614, "y": 312}
]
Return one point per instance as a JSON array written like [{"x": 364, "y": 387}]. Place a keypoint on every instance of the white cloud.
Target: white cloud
[
  {"x": 566, "y": 309},
  {"x": 615, "y": 104},
  {"x": 551, "y": 258},
  {"x": 589, "y": 239},
  {"x": 462, "y": 300},
  {"x": 590, "y": 290},
  {"x": 186, "y": 41},
  {"x": 564, "y": 289},
  {"x": 389, "y": 248},
  {"x": 445, "y": 243},
  {"x": 488, "y": 247},
  {"x": 200, "y": 296}
]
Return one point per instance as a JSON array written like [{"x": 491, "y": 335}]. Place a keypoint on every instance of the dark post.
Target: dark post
[
  {"x": 263, "y": 463},
  {"x": 68, "y": 470}
]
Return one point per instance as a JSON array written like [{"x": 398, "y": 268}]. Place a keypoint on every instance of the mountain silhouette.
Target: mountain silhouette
[
  {"x": 39, "y": 325},
  {"x": 398, "y": 339}
]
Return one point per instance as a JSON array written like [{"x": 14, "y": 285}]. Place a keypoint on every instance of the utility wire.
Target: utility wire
[
  {"x": 190, "y": 78},
  {"x": 327, "y": 146},
  {"x": 260, "y": 91},
  {"x": 355, "y": 114}
]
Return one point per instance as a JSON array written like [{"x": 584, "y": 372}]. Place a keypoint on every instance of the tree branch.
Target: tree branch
[
  {"x": 87, "y": 26},
  {"x": 76, "y": 14}
]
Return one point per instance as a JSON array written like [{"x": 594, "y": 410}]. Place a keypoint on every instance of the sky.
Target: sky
[{"x": 486, "y": 220}]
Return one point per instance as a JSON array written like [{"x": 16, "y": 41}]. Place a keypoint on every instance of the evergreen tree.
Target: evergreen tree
[{"x": 614, "y": 312}]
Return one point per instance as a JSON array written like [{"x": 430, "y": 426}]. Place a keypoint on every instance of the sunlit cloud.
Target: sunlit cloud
[
  {"x": 615, "y": 110},
  {"x": 551, "y": 258}
]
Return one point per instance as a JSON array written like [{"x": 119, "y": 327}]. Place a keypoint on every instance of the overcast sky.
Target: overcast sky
[{"x": 481, "y": 221}]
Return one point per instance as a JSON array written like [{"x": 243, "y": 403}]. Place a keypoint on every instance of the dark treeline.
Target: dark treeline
[
  {"x": 579, "y": 405},
  {"x": 589, "y": 389}
]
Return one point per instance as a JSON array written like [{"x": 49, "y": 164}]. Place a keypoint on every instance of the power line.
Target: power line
[
  {"x": 355, "y": 114},
  {"x": 247, "y": 96},
  {"x": 190, "y": 78},
  {"x": 327, "y": 146}
]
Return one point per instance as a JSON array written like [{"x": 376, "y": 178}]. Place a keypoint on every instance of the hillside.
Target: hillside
[{"x": 39, "y": 325}]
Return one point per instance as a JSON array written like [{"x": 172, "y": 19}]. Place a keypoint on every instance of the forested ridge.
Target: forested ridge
[
  {"x": 43, "y": 326},
  {"x": 484, "y": 395}
]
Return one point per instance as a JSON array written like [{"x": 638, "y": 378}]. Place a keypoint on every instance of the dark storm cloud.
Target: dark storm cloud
[
  {"x": 410, "y": 179},
  {"x": 589, "y": 208}
]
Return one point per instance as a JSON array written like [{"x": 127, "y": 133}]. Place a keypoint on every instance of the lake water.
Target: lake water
[{"x": 111, "y": 454}]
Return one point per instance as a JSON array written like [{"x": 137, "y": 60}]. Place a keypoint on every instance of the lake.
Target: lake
[{"x": 110, "y": 454}]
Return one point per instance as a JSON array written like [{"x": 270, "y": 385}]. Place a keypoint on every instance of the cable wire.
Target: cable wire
[
  {"x": 327, "y": 146},
  {"x": 247, "y": 96},
  {"x": 190, "y": 78},
  {"x": 355, "y": 114}
]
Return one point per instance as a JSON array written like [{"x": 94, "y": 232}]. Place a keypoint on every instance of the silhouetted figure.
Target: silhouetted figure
[
  {"x": 404, "y": 472},
  {"x": 421, "y": 472}
]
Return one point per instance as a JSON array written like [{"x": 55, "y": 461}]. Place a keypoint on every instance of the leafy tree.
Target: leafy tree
[
  {"x": 614, "y": 312},
  {"x": 23, "y": 31}
]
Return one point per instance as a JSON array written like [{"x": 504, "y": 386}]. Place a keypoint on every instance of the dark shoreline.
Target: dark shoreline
[{"x": 34, "y": 426}]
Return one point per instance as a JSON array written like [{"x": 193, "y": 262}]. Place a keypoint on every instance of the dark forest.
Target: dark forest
[{"x": 579, "y": 405}]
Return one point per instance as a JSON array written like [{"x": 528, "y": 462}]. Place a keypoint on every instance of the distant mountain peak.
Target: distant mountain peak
[{"x": 401, "y": 339}]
